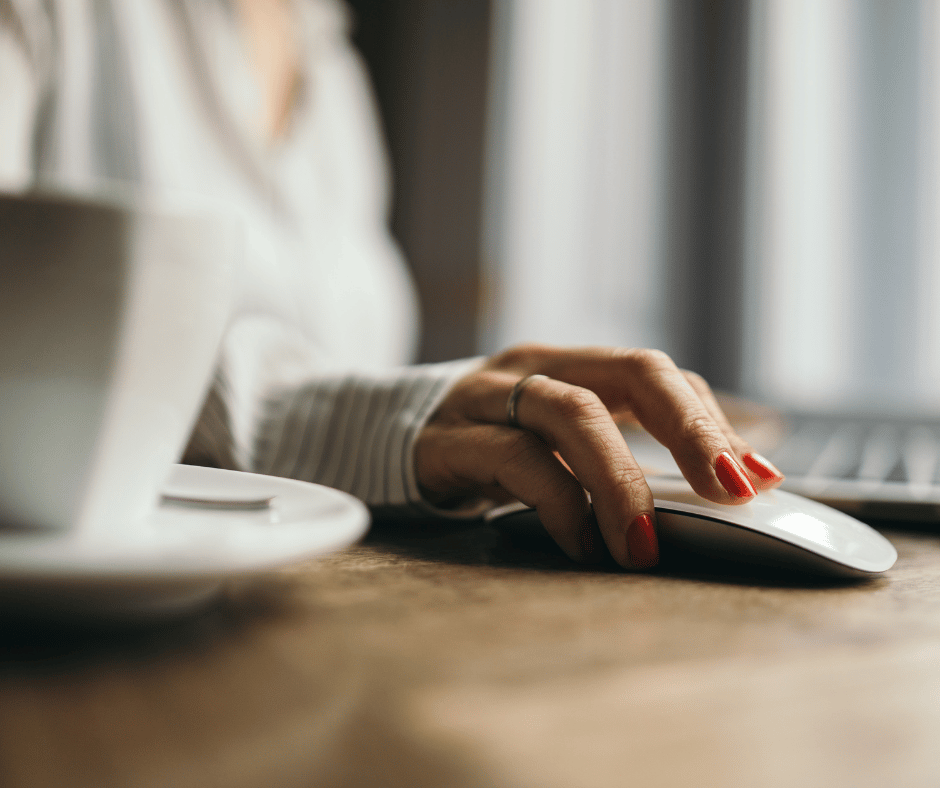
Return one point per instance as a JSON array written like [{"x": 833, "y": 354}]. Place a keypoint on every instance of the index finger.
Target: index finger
[{"x": 657, "y": 392}]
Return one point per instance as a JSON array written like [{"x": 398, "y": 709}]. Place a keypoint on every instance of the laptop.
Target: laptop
[{"x": 871, "y": 466}]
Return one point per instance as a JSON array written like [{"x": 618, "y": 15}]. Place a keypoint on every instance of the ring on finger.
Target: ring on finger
[{"x": 513, "y": 401}]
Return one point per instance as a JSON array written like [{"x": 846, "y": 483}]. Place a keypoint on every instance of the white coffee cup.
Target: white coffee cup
[{"x": 111, "y": 316}]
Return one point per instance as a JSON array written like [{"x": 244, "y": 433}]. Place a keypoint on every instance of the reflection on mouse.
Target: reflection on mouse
[{"x": 777, "y": 529}]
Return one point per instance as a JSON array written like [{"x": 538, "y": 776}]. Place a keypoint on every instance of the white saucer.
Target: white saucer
[{"x": 178, "y": 556}]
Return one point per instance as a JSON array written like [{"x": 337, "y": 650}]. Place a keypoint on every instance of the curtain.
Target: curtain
[
  {"x": 751, "y": 186},
  {"x": 842, "y": 255},
  {"x": 575, "y": 175}
]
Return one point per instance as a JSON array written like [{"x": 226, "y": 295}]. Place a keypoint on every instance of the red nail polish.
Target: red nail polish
[
  {"x": 642, "y": 541},
  {"x": 732, "y": 477},
  {"x": 762, "y": 467}
]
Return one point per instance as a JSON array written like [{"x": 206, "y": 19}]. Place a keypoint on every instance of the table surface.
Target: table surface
[{"x": 435, "y": 655}]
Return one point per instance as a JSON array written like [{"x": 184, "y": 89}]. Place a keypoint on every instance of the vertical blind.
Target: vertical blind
[
  {"x": 751, "y": 186},
  {"x": 575, "y": 178}
]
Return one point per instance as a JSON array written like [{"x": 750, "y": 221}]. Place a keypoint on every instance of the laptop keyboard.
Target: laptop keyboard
[
  {"x": 869, "y": 459},
  {"x": 866, "y": 466},
  {"x": 874, "y": 452}
]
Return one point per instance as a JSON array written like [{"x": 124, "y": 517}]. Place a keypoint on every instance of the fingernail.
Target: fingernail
[
  {"x": 642, "y": 541},
  {"x": 732, "y": 477},
  {"x": 762, "y": 467}
]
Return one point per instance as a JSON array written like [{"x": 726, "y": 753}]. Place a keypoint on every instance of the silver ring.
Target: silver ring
[{"x": 513, "y": 400}]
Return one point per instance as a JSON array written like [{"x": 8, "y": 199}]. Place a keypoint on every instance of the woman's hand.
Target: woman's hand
[{"x": 567, "y": 442}]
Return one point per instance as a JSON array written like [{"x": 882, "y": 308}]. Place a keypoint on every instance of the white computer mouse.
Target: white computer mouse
[{"x": 776, "y": 529}]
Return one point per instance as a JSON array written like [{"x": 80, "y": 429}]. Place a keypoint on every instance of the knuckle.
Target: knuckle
[
  {"x": 697, "y": 381},
  {"x": 575, "y": 403},
  {"x": 649, "y": 361},
  {"x": 628, "y": 477},
  {"x": 626, "y": 481},
  {"x": 699, "y": 429}
]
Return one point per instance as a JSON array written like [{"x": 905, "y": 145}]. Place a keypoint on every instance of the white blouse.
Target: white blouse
[{"x": 159, "y": 94}]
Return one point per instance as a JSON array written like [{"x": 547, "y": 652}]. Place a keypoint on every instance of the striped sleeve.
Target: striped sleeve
[{"x": 353, "y": 432}]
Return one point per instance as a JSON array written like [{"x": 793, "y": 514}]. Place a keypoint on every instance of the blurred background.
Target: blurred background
[{"x": 751, "y": 186}]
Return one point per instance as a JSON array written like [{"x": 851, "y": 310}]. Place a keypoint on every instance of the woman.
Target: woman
[{"x": 261, "y": 107}]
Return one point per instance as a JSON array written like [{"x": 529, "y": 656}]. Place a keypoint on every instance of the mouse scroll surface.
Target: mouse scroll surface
[{"x": 777, "y": 529}]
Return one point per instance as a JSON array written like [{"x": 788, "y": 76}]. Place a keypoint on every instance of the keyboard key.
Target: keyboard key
[{"x": 881, "y": 452}]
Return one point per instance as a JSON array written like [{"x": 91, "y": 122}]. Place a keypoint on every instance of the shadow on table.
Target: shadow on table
[
  {"x": 32, "y": 639},
  {"x": 479, "y": 544}
]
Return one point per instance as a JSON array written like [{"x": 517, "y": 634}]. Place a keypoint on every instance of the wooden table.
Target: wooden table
[{"x": 440, "y": 656}]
